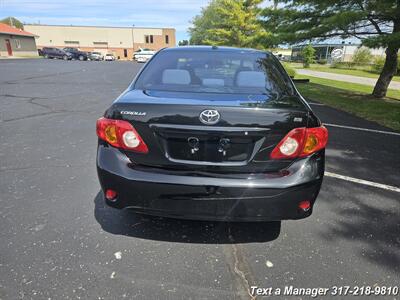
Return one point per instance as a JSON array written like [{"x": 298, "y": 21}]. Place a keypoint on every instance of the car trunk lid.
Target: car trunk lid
[{"x": 248, "y": 129}]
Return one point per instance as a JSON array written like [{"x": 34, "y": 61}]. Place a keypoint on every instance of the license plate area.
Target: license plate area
[
  {"x": 210, "y": 147},
  {"x": 218, "y": 148}
]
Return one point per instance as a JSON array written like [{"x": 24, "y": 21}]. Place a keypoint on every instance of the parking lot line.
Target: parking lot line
[
  {"x": 362, "y": 129},
  {"x": 364, "y": 182}
]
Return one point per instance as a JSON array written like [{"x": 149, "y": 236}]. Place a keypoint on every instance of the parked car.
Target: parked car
[
  {"x": 96, "y": 56},
  {"x": 76, "y": 54},
  {"x": 49, "y": 52},
  {"x": 109, "y": 57},
  {"x": 143, "y": 55},
  {"x": 230, "y": 139}
]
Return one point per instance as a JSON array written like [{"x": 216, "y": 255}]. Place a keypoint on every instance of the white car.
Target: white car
[
  {"x": 109, "y": 57},
  {"x": 143, "y": 55}
]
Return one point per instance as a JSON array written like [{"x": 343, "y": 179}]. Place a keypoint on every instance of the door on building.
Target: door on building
[
  {"x": 125, "y": 53},
  {"x": 8, "y": 45}
]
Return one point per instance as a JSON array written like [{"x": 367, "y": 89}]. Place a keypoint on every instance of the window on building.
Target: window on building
[
  {"x": 18, "y": 44},
  {"x": 149, "y": 39},
  {"x": 167, "y": 39},
  {"x": 101, "y": 44},
  {"x": 71, "y": 43}
]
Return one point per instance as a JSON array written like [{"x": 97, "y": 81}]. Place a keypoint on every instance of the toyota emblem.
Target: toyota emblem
[{"x": 209, "y": 117}]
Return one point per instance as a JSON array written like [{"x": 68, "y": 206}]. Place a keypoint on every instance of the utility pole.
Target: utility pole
[{"x": 133, "y": 41}]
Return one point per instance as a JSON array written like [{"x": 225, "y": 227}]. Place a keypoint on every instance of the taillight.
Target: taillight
[
  {"x": 301, "y": 142},
  {"x": 316, "y": 139},
  {"x": 120, "y": 134}
]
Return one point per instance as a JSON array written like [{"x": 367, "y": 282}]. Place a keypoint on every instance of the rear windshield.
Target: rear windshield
[{"x": 213, "y": 71}]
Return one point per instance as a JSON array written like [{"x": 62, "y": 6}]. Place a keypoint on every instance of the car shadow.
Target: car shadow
[
  {"x": 373, "y": 227},
  {"x": 126, "y": 222}
]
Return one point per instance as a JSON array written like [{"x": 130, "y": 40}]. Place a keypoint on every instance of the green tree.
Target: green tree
[
  {"x": 362, "y": 56},
  {"x": 308, "y": 55},
  {"x": 12, "y": 22},
  {"x": 229, "y": 23},
  {"x": 375, "y": 22}
]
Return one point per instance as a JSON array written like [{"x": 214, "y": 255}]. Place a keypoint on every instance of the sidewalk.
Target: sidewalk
[
  {"x": 19, "y": 57},
  {"x": 347, "y": 78}
]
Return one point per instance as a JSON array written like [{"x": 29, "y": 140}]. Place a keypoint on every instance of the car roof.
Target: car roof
[{"x": 215, "y": 48}]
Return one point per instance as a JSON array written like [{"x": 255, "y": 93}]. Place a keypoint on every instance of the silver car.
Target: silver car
[{"x": 96, "y": 56}]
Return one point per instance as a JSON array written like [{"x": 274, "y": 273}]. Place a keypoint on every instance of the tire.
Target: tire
[
  {"x": 46, "y": 56},
  {"x": 65, "y": 57},
  {"x": 81, "y": 57}
]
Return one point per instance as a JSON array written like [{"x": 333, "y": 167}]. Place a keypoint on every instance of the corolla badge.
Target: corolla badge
[
  {"x": 209, "y": 117},
  {"x": 133, "y": 113}
]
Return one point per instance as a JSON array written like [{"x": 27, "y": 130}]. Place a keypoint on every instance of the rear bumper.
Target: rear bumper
[{"x": 264, "y": 197}]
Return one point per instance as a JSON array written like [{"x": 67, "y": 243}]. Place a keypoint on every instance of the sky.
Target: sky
[{"x": 141, "y": 13}]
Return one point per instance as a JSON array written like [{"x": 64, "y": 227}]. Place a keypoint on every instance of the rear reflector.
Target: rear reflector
[
  {"x": 301, "y": 142},
  {"x": 305, "y": 205},
  {"x": 111, "y": 195},
  {"x": 120, "y": 134}
]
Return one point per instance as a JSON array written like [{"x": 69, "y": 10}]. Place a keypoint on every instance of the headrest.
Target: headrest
[
  {"x": 175, "y": 76},
  {"x": 251, "y": 79}
]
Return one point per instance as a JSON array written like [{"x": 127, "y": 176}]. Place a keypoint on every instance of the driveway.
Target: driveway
[
  {"x": 59, "y": 240},
  {"x": 347, "y": 78}
]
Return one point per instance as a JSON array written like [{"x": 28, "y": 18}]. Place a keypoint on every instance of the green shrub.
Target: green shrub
[
  {"x": 322, "y": 61},
  {"x": 398, "y": 65},
  {"x": 290, "y": 70},
  {"x": 377, "y": 66},
  {"x": 343, "y": 65},
  {"x": 362, "y": 56},
  {"x": 308, "y": 53}
]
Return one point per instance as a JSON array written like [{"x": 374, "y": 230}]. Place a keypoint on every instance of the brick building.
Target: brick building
[{"x": 120, "y": 41}]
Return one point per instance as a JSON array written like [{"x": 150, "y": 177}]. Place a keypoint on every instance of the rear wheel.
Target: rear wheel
[
  {"x": 80, "y": 57},
  {"x": 65, "y": 57},
  {"x": 46, "y": 56}
]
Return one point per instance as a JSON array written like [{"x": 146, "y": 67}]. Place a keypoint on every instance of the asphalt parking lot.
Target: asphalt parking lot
[{"x": 59, "y": 241}]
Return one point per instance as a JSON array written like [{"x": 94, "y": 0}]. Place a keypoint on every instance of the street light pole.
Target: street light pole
[{"x": 133, "y": 41}]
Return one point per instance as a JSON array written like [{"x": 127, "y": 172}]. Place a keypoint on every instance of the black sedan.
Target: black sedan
[
  {"x": 76, "y": 54},
  {"x": 212, "y": 133}
]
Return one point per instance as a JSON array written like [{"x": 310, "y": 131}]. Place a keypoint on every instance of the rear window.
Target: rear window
[{"x": 214, "y": 71}]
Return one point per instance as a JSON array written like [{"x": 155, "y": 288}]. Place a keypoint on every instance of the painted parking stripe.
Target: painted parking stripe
[
  {"x": 362, "y": 129},
  {"x": 364, "y": 182}
]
